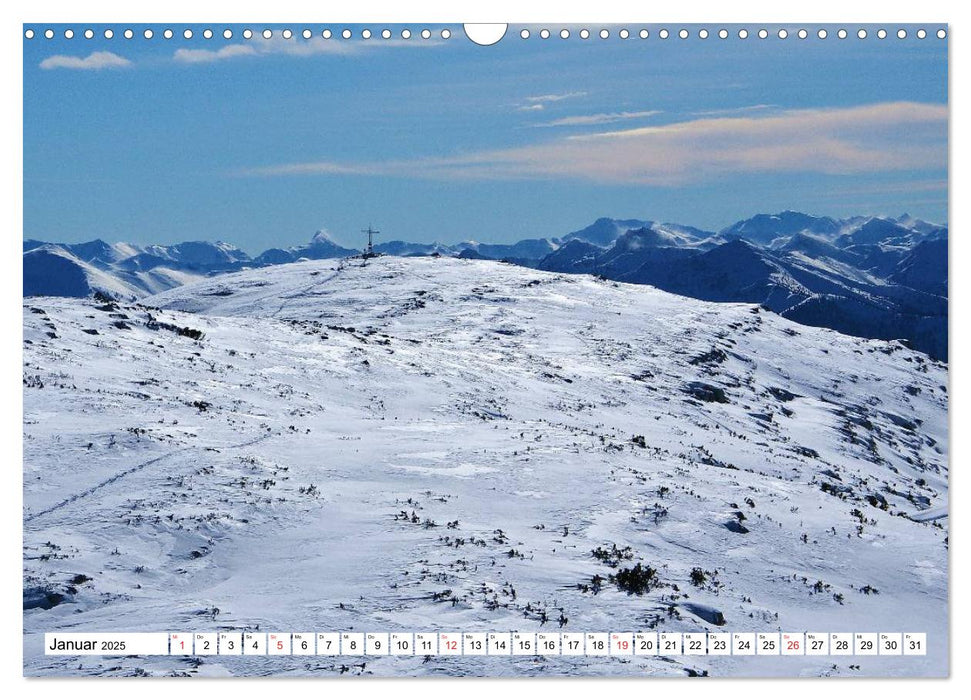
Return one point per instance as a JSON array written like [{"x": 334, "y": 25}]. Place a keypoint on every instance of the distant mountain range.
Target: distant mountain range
[
  {"x": 873, "y": 277},
  {"x": 865, "y": 276}
]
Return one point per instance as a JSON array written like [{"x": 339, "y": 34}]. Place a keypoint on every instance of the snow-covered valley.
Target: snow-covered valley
[{"x": 438, "y": 444}]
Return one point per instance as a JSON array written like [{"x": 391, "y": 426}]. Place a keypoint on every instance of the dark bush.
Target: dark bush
[{"x": 636, "y": 580}]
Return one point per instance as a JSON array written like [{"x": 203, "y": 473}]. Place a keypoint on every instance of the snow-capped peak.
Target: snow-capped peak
[{"x": 322, "y": 236}]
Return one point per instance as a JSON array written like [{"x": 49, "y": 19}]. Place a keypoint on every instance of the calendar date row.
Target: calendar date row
[{"x": 487, "y": 644}]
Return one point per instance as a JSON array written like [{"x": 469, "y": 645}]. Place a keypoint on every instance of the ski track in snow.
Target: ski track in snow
[
  {"x": 127, "y": 472},
  {"x": 449, "y": 445}
]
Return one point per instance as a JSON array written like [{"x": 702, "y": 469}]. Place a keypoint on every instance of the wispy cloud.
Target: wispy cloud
[
  {"x": 884, "y": 137},
  {"x": 277, "y": 45},
  {"x": 543, "y": 99},
  {"x": 537, "y": 103},
  {"x": 99, "y": 60},
  {"x": 208, "y": 56},
  {"x": 597, "y": 119},
  {"x": 734, "y": 111}
]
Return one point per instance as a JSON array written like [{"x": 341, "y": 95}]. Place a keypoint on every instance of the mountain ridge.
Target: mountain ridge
[{"x": 790, "y": 261}]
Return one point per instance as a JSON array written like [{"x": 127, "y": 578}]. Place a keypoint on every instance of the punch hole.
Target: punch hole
[
  {"x": 604, "y": 34},
  {"x": 168, "y": 34},
  {"x": 683, "y": 33},
  {"x": 743, "y": 33},
  {"x": 544, "y": 34},
  {"x": 405, "y": 33},
  {"x": 68, "y": 33},
  {"x": 783, "y": 34},
  {"x": 365, "y": 34},
  {"x": 327, "y": 34},
  {"x": 901, "y": 33},
  {"x": 446, "y": 34},
  {"x": 881, "y": 34},
  {"x": 643, "y": 34},
  {"x": 109, "y": 34},
  {"x": 584, "y": 33},
  {"x": 227, "y": 34},
  {"x": 822, "y": 34},
  {"x": 267, "y": 34},
  {"x": 89, "y": 34},
  {"x": 722, "y": 33},
  {"x": 187, "y": 34},
  {"x": 664, "y": 34},
  {"x": 287, "y": 33},
  {"x": 207, "y": 34},
  {"x": 802, "y": 34},
  {"x": 488, "y": 34},
  {"x": 564, "y": 33},
  {"x": 524, "y": 34},
  {"x": 703, "y": 34},
  {"x": 861, "y": 33},
  {"x": 921, "y": 34},
  {"x": 763, "y": 34},
  {"x": 248, "y": 34},
  {"x": 842, "y": 34},
  {"x": 148, "y": 33},
  {"x": 941, "y": 34},
  {"x": 307, "y": 34},
  {"x": 29, "y": 34},
  {"x": 129, "y": 34},
  {"x": 426, "y": 34}
]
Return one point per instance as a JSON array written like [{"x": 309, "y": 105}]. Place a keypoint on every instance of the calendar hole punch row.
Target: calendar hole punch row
[{"x": 488, "y": 644}]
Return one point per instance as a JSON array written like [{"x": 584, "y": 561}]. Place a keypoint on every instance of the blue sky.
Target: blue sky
[{"x": 261, "y": 142}]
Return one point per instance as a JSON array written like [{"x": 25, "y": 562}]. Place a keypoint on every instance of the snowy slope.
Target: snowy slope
[
  {"x": 440, "y": 444},
  {"x": 120, "y": 270},
  {"x": 51, "y": 269}
]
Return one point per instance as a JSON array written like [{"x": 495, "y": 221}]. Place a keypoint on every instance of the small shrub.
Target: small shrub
[
  {"x": 636, "y": 580},
  {"x": 613, "y": 556}
]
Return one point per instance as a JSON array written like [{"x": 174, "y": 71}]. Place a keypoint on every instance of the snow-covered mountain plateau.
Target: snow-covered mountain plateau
[{"x": 443, "y": 444}]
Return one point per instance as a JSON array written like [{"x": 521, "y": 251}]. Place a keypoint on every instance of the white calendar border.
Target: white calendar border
[{"x": 441, "y": 10}]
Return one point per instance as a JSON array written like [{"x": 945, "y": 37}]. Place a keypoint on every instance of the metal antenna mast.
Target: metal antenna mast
[{"x": 369, "y": 251}]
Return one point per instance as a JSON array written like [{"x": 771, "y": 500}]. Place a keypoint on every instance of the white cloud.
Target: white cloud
[
  {"x": 277, "y": 45},
  {"x": 596, "y": 119},
  {"x": 536, "y": 103},
  {"x": 885, "y": 137},
  {"x": 208, "y": 56},
  {"x": 555, "y": 97},
  {"x": 98, "y": 60}
]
